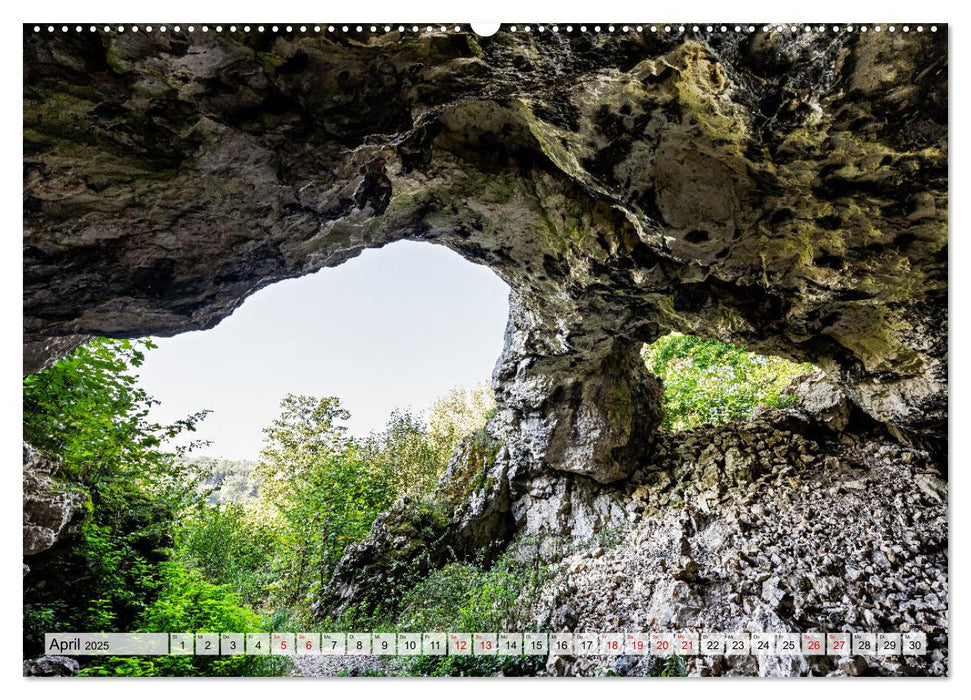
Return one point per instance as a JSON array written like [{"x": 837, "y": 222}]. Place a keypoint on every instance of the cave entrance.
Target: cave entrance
[
  {"x": 393, "y": 329},
  {"x": 333, "y": 396},
  {"x": 711, "y": 382}
]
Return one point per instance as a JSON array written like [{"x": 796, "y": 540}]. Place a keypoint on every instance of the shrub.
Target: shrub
[
  {"x": 708, "y": 381},
  {"x": 464, "y": 597},
  {"x": 87, "y": 409},
  {"x": 188, "y": 603},
  {"x": 229, "y": 546}
]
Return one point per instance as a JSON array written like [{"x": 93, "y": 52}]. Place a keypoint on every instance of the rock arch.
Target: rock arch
[{"x": 788, "y": 193}]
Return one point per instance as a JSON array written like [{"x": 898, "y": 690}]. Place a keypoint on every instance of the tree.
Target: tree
[
  {"x": 319, "y": 490},
  {"x": 404, "y": 456},
  {"x": 306, "y": 431},
  {"x": 88, "y": 409},
  {"x": 456, "y": 415}
]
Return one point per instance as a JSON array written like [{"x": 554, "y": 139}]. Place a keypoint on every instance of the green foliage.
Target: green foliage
[
  {"x": 116, "y": 574},
  {"x": 708, "y": 381},
  {"x": 179, "y": 544},
  {"x": 308, "y": 429},
  {"x": 103, "y": 581},
  {"x": 189, "y": 603},
  {"x": 412, "y": 456},
  {"x": 89, "y": 410},
  {"x": 673, "y": 668},
  {"x": 230, "y": 547},
  {"x": 226, "y": 480},
  {"x": 318, "y": 492},
  {"x": 468, "y": 598},
  {"x": 409, "y": 461},
  {"x": 455, "y": 415}
]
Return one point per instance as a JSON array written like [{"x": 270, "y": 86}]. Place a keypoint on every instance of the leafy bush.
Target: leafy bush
[
  {"x": 470, "y": 598},
  {"x": 88, "y": 409},
  {"x": 462, "y": 597},
  {"x": 229, "y": 546},
  {"x": 189, "y": 603},
  {"x": 708, "y": 381},
  {"x": 101, "y": 580},
  {"x": 117, "y": 573}
]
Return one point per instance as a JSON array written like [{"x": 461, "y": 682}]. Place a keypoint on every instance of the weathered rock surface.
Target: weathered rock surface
[
  {"x": 51, "y": 512},
  {"x": 822, "y": 400},
  {"x": 776, "y": 523},
  {"x": 51, "y": 666},
  {"x": 41, "y": 353},
  {"x": 822, "y": 537},
  {"x": 785, "y": 192}
]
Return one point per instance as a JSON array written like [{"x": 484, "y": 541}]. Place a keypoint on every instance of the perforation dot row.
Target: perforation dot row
[{"x": 555, "y": 28}]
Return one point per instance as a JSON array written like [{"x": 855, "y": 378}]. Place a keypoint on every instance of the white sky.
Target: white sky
[{"x": 395, "y": 327}]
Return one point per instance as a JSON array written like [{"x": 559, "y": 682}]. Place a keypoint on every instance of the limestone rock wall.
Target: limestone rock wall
[
  {"x": 787, "y": 192},
  {"x": 51, "y": 510}
]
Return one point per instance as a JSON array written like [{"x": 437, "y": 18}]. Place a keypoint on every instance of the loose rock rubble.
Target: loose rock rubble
[
  {"x": 776, "y": 523},
  {"x": 747, "y": 528},
  {"x": 51, "y": 666},
  {"x": 344, "y": 665}
]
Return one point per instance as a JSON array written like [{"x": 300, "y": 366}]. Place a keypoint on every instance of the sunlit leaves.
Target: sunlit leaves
[
  {"x": 88, "y": 410},
  {"x": 708, "y": 381}
]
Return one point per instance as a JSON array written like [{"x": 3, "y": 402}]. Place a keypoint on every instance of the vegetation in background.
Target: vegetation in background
[
  {"x": 708, "y": 381},
  {"x": 404, "y": 456},
  {"x": 456, "y": 415},
  {"x": 226, "y": 480},
  {"x": 319, "y": 491}
]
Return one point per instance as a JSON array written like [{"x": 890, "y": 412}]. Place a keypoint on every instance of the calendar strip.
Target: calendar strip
[{"x": 489, "y": 644}]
